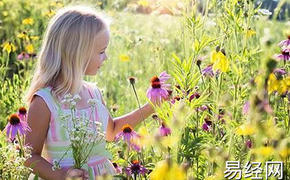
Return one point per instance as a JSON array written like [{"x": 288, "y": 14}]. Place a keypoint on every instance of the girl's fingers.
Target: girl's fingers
[
  {"x": 85, "y": 173},
  {"x": 76, "y": 173}
]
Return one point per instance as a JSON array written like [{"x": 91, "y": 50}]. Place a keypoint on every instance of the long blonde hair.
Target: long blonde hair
[{"x": 66, "y": 50}]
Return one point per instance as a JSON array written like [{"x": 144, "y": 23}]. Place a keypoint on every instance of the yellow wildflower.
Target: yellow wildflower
[
  {"x": 29, "y": 48},
  {"x": 220, "y": 61},
  {"x": 284, "y": 85},
  {"x": 284, "y": 153},
  {"x": 163, "y": 171},
  {"x": 124, "y": 57},
  {"x": 23, "y": 35},
  {"x": 9, "y": 47},
  {"x": 264, "y": 151},
  {"x": 273, "y": 83},
  {"x": 50, "y": 13},
  {"x": 144, "y": 3},
  {"x": 245, "y": 129},
  {"x": 28, "y": 21},
  {"x": 34, "y": 37},
  {"x": 250, "y": 33}
]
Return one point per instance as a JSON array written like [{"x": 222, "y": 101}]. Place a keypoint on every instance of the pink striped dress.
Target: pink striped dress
[{"x": 57, "y": 141}]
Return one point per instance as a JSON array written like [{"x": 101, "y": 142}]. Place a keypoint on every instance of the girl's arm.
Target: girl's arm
[
  {"x": 38, "y": 120},
  {"x": 133, "y": 118}
]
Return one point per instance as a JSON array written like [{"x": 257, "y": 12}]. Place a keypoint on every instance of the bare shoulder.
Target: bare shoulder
[
  {"x": 38, "y": 109},
  {"x": 38, "y": 120}
]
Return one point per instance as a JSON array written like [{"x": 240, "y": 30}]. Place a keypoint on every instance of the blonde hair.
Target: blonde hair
[{"x": 66, "y": 50}]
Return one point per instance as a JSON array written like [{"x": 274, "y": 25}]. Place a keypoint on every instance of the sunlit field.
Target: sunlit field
[{"x": 227, "y": 116}]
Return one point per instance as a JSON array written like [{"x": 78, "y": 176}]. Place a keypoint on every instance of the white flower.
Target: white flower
[
  {"x": 265, "y": 12},
  {"x": 76, "y": 97},
  {"x": 92, "y": 102}
]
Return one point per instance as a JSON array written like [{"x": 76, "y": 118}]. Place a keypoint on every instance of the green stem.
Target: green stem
[
  {"x": 21, "y": 145},
  {"x": 138, "y": 102}
]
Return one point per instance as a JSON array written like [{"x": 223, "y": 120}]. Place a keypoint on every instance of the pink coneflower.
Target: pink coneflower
[
  {"x": 22, "y": 56},
  {"x": 16, "y": 125},
  {"x": 118, "y": 168},
  {"x": 285, "y": 43},
  {"x": 207, "y": 71},
  {"x": 203, "y": 108},
  {"x": 195, "y": 95},
  {"x": 128, "y": 135},
  {"x": 207, "y": 124},
  {"x": 158, "y": 90},
  {"x": 176, "y": 98},
  {"x": 280, "y": 71},
  {"x": 136, "y": 168},
  {"x": 164, "y": 130},
  {"x": 249, "y": 143},
  {"x": 22, "y": 113},
  {"x": 246, "y": 107},
  {"x": 284, "y": 55}
]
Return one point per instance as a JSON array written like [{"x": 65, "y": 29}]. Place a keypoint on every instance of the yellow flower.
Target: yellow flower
[
  {"x": 284, "y": 85},
  {"x": 250, "y": 33},
  {"x": 163, "y": 171},
  {"x": 29, "y": 48},
  {"x": 273, "y": 83},
  {"x": 124, "y": 57},
  {"x": 9, "y": 47},
  {"x": 245, "y": 129},
  {"x": 34, "y": 37},
  {"x": 50, "y": 13},
  {"x": 144, "y": 3},
  {"x": 23, "y": 35},
  {"x": 285, "y": 152},
  {"x": 264, "y": 151},
  {"x": 220, "y": 61},
  {"x": 28, "y": 21}
]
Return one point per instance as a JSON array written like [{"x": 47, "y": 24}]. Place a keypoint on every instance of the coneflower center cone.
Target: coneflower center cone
[
  {"x": 127, "y": 130},
  {"x": 14, "y": 119},
  {"x": 155, "y": 82}
]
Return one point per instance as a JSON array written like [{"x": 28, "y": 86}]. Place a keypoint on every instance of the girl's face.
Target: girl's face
[{"x": 99, "y": 55}]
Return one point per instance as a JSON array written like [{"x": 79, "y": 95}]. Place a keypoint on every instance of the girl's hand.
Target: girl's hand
[{"x": 79, "y": 174}]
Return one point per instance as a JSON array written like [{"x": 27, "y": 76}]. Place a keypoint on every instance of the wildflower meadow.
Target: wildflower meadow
[{"x": 216, "y": 72}]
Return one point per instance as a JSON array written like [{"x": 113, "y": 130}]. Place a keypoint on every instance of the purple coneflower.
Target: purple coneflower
[
  {"x": 16, "y": 125},
  {"x": 249, "y": 143},
  {"x": 128, "y": 135},
  {"x": 246, "y": 107},
  {"x": 208, "y": 72},
  {"x": 280, "y": 71},
  {"x": 284, "y": 55},
  {"x": 203, "y": 108},
  {"x": 285, "y": 43},
  {"x": 158, "y": 90},
  {"x": 22, "y": 113},
  {"x": 117, "y": 168},
  {"x": 195, "y": 95},
  {"x": 22, "y": 56},
  {"x": 136, "y": 168},
  {"x": 176, "y": 98},
  {"x": 164, "y": 130},
  {"x": 207, "y": 124}
]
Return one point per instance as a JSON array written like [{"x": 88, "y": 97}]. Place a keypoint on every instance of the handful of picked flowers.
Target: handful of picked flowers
[{"x": 82, "y": 132}]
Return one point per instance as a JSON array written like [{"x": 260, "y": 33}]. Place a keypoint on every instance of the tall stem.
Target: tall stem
[{"x": 138, "y": 102}]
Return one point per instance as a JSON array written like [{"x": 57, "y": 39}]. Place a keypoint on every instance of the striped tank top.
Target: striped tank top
[{"x": 57, "y": 141}]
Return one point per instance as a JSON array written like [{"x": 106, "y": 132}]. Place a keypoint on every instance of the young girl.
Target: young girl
[{"x": 74, "y": 45}]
